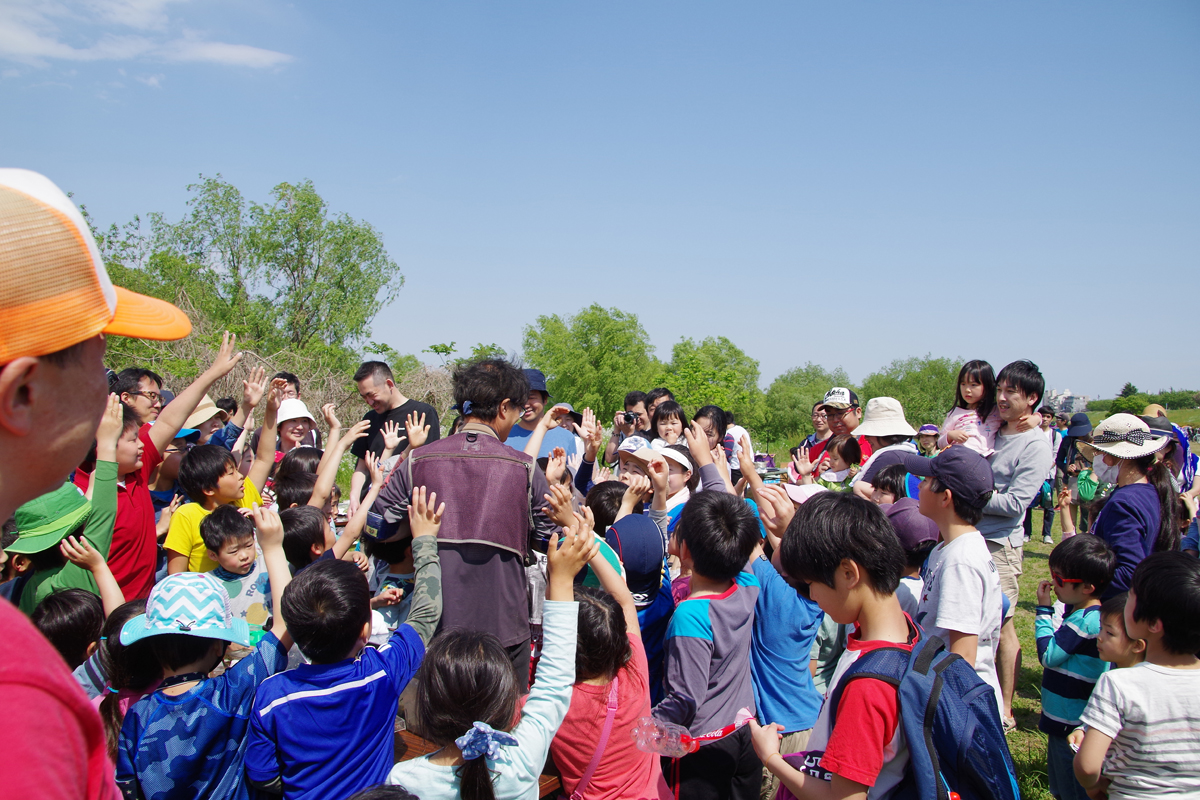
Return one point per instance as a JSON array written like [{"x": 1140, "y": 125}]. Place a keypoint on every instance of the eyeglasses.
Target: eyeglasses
[
  {"x": 818, "y": 416},
  {"x": 1060, "y": 580},
  {"x": 835, "y": 413},
  {"x": 153, "y": 397}
]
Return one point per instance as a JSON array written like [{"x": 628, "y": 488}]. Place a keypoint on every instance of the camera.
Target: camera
[{"x": 630, "y": 418}]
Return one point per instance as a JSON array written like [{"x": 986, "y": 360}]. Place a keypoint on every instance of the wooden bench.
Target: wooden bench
[{"x": 409, "y": 745}]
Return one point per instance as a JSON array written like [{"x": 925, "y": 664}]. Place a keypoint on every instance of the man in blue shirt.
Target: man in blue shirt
[{"x": 555, "y": 437}]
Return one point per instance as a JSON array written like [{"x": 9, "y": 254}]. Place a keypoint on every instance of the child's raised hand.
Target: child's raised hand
[
  {"x": 423, "y": 518},
  {"x": 804, "y": 467},
  {"x": 375, "y": 470},
  {"x": 564, "y": 562},
  {"x": 391, "y": 435},
  {"x": 638, "y": 489},
  {"x": 1045, "y": 593},
  {"x": 112, "y": 424},
  {"x": 697, "y": 442},
  {"x": 388, "y": 596},
  {"x": 585, "y": 522},
  {"x": 357, "y": 431},
  {"x": 588, "y": 428},
  {"x": 573, "y": 462},
  {"x": 775, "y": 509},
  {"x": 253, "y": 387},
  {"x": 602, "y": 474},
  {"x": 659, "y": 474},
  {"x": 416, "y": 429},
  {"x": 556, "y": 465},
  {"x": 227, "y": 356},
  {"x": 329, "y": 412},
  {"x": 560, "y": 505},
  {"x": 80, "y": 552},
  {"x": 268, "y": 527},
  {"x": 275, "y": 397},
  {"x": 765, "y": 739}
]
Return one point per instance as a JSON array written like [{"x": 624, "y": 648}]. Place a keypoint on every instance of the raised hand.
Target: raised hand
[
  {"x": 423, "y": 518},
  {"x": 391, "y": 435},
  {"x": 602, "y": 474},
  {"x": 638, "y": 489},
  {"x": 253, "y": 387},
  {"x": 416, "y": 430},
  {"x": 329, "y": 412},
  {"x": 79, "y": 551},
  {"x": 227, "y": 358},
  {"x": 804, "y": 467},
  {"x": 357, "y": 431},
  {"x": 374, "y": 469},
  {"x": 578, "y": 548},
  {"x": 775, "y": 509},
  {"x": 556, "y": 465},
  {"x": 275, "y": 397},
  {"x": 112, "y": 425},
  {"x": 268, "y": 527},
  {"x": 697, "y": 442},
  {"x": 588, "y": 427},
  {"x": 560, "y": 505}
]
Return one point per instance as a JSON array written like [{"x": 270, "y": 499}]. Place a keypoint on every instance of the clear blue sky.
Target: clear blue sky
[{"x": 842, "y": 183}]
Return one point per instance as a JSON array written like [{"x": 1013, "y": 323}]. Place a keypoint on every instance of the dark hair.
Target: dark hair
[
  {"x": 383, "y": 792},
  {"x": 1085, "y": 558},
  {"x": 604, "y": 499},
  {"x": 634, "y": 397},
  {"x": 1168, "y": 537},
  {"x": 1025, "y": 376},
  {"x": 377, "y": 370},
  {"x": 132, "y": 667},
  {"x": 292, "y": 379},
  {"x": 892, "y": 479},
  {"x": 720, "y": 531},
  {"x": 128, "y": 380},
  {"x": 1167, "y": 588},
  {"x": 202, "y": 467},
  {"x": 226, "y": 404},
  {"x": 1115, "y": 607},
  {"x": 222, "y": 525},
  {"x": 834, "y": 526},
  {"x": 295, "y": 489},
  {"x": 325, "y": 608},
  {"x": 299, "y": 459},
  {"x": 962, "y": 509},
  {"x": 392, "y": 552},
  {"x": 919, "y": 554},
  {"x": 654, "y": 394},
  {"x": 668, "y": 409},
  {"x": 466, "y": 677},
  {"x": 729, "y": 418},
  {"x": 980, "y": 371},
  {"x": 71, "y": 619},
  {"x": 603, "y": 647},
  {"x": 846, "y": 447},
  {"x": 693, "y": 481},
  {"x": 715, "y": 415},
  {"x": 177, "y": 650},
  {"x": 1046, "y": 411},
  {"x": 303, "y": 526},
  {"x": 486, "y": 384}
]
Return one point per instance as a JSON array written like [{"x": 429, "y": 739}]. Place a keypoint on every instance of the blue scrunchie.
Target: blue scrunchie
[
  {"x": 466, "y": 408},
  {"x": 482, "y": 739}
]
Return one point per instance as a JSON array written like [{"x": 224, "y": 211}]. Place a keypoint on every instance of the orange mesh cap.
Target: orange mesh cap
[{"x": 54, "y": 289}]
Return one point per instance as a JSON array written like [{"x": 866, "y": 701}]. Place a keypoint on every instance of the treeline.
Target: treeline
[{"x": 1131, "y": 401}]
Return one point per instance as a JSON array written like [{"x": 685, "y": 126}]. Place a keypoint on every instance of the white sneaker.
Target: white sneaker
[{"x": 1047, "y": 540}]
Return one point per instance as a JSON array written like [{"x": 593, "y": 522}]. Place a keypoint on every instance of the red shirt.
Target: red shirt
[
  {"x": 818, "y": 450},
  {"x": 624, "y": 772},
  {"x": 52, "y": 739},
  {"x": 134, "y": 553}
]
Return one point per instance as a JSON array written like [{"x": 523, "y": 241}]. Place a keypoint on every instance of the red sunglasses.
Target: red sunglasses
[{"x": 1060, "y": 580}]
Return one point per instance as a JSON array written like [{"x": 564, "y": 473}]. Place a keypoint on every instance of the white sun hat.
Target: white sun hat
[
  {"x": 1124, "y": 436},
  {"x": 884, "y": 416}
]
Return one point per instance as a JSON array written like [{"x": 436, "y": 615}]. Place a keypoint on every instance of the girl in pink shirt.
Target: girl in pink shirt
[
  {"x": 974, "y": 420},
  {"x": 610, "y": 671}
]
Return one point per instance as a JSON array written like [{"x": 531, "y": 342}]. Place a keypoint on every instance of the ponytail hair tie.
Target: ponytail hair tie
[
  {"x": 466, "y": 407},
  {"x": 482, "y": 739},
  {"x": 111, "y": 689}
]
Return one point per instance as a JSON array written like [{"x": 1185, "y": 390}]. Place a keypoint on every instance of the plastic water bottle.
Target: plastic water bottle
[{"x": 664, "y": 738}]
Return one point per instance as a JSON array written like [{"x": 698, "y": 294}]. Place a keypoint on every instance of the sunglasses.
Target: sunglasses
[{"x": 1061, "y": 581}]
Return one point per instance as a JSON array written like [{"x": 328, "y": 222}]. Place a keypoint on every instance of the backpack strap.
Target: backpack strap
[
  {"x": 581, "y": 787},
  {"x": 887, "y": 664}
]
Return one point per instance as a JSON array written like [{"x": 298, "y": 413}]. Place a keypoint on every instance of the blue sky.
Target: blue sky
[{"x": 842, "y": 183}]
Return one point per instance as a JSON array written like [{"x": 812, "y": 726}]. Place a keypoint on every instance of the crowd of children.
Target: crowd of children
[{"x": 682, "y": 628}]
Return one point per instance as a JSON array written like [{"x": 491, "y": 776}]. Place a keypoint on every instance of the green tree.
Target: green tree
[
  {"x": 714, "y": 371},
  {"x": 787, "y": 406},
  {"x": 1130, "y": 404},
  {"x": 1128, "y": 390},
  {"x": 923, "y": 385},
  {"x": 400, "y": 363},
  {"x": 592, "y": 358}
]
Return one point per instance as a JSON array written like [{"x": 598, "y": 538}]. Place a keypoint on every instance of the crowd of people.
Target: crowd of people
[{"x": 647, "y": 609}]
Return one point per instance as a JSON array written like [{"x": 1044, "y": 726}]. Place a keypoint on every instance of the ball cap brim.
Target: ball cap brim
[{"x": 141, "y": 317}]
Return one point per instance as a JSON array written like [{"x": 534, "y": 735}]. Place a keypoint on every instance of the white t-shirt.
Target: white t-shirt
[
  {"x": 737, "y": 431},
  {"x": 1152, "y": 714},
  {"x": 909, "y": 594},
  {"x": 962, "y": 593}
]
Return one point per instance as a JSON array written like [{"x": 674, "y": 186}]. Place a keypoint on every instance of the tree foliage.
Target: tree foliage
[
  {"x": 592, "y": 358},
  {"x": 1128, "y": 390},
  {"x": 714, "y": 371},
  {"x": 923, "y": 385},
  {"x": 787, "y": 406}
]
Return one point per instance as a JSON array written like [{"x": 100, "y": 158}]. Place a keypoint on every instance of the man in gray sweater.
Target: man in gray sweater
[{"x": 1019, "y": 465}]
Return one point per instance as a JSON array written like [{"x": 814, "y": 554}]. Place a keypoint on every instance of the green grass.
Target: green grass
[{"x": 1027, "y": 743}]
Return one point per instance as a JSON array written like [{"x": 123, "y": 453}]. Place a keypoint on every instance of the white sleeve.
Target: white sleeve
[
  {"x": 550, "y": 696},
  {"x": 1103, "y": 710}
]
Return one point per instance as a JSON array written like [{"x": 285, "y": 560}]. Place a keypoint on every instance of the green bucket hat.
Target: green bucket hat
[{"x": 44, "y": 522}]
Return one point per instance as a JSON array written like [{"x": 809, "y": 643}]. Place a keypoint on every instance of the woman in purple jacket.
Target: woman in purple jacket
[{"x": 1140, "y": 516}]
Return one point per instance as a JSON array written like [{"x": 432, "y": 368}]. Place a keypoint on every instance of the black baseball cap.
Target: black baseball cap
[{"x": 960, "y": 469}]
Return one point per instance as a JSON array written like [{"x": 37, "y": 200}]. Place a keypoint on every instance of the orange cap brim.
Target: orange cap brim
[{"x": 142, "y": 317}]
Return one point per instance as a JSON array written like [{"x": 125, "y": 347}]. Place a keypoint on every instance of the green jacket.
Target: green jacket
[{"x": 99, "y": 531}]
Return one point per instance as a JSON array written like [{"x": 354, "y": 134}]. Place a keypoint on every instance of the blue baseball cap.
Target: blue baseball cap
[
  {"x": 638, "y": 542},
  {"x": 537, "y": 381},
  {"x": 960, "y": 469}
]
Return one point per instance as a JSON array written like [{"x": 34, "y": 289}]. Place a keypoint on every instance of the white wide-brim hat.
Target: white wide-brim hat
[
  {"x": 1124, "y": 436},
  {"x": 292, "y": 408},
  {"x": 884, "y": 416}
]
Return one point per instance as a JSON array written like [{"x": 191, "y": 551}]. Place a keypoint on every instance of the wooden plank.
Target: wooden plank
[{"x": 408, "y": 745}]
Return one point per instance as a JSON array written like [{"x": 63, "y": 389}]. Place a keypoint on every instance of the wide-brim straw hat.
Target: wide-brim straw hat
[
  {"x": 1123, "y": 436},
  {"x": 884, "y": 417}
]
